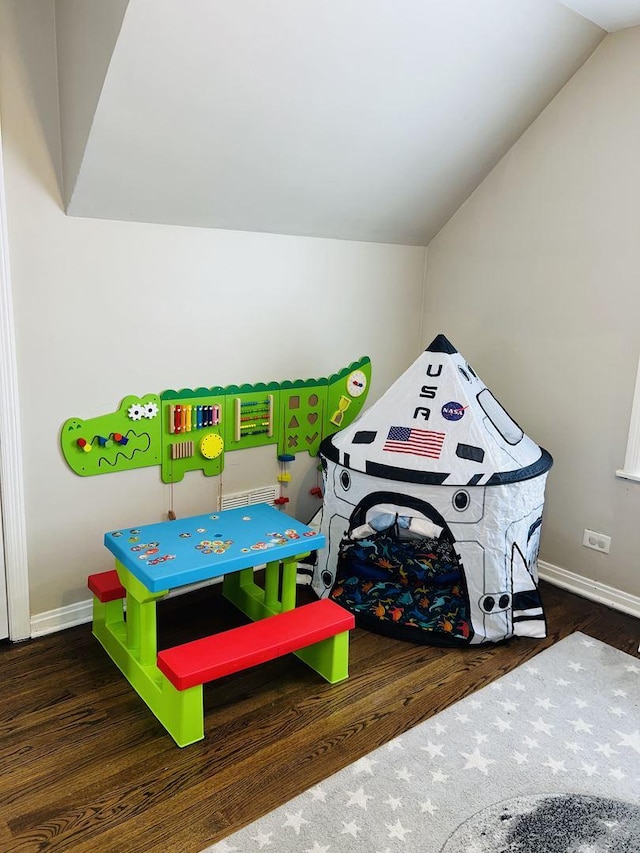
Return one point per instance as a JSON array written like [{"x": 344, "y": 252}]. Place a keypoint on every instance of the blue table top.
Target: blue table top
[{"x": 176, "y": 553}]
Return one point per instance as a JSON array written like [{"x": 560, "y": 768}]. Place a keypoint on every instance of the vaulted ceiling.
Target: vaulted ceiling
[{"x": 355, "y": 119}]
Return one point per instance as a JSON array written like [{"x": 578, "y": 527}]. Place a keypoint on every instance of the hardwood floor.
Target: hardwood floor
[{"x": 86, "y": 767}]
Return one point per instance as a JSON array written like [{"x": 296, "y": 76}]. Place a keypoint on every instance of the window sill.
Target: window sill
[{"x": 628, "y": 475}]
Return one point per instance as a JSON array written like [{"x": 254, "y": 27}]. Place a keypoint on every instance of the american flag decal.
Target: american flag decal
[{"x": 421, "y": 442}]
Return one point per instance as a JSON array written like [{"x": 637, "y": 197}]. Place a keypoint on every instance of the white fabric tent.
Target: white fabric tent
[{"x": 439, "y": 456}]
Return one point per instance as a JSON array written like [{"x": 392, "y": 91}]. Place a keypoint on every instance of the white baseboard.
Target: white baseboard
[
  {"x": 61, "y": 618},
  {"x": 587, "y": 588},
  {"x": 80, "y": 613}
]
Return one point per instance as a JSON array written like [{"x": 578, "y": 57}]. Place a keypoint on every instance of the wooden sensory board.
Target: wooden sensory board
[{"x": 192, "y": 429}]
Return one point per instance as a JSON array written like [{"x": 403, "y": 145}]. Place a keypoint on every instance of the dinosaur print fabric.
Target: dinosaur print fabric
[{"x": 412, "y": 589}]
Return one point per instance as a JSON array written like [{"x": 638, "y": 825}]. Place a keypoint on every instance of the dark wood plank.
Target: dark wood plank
[{"x": 86, "y": 767}]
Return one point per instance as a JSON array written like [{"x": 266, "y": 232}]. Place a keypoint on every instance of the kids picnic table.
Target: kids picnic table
[{"x": 155, "y": 558}]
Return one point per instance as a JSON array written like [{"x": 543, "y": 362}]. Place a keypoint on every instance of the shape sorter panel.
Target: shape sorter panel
[{"x": 302, "y": 411}]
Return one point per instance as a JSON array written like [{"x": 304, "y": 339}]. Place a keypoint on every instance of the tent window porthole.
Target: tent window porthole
[
  {"x": 461, "y": 500},
  {"x": 490, "y": 605},
  {"x": 503, "y": 422}
]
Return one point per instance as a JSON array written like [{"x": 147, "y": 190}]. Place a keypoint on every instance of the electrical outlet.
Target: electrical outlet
[{"x": 598, "y": 541}]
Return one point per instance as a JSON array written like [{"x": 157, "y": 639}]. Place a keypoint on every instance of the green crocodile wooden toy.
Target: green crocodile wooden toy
[{"x": 192, "y": 429}]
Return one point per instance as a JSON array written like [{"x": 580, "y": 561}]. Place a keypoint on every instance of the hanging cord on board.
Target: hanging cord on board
[
  {"x": 219, "y": 501},
  {"x": 171, "y": 514}
]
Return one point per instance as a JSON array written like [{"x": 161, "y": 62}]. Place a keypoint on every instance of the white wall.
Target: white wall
[
  {"x": 104, "y": 309},
  {"x": 536, "y": 279}
]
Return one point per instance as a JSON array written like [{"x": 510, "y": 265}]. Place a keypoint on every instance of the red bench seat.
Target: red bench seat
[
  {"x": 230, "y": 651},
  {"x": 106, "y": 586}
]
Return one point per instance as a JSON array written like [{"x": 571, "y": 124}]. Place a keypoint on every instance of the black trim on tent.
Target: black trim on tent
[
  {"x": 470, "y": 452},
  {"x": 540, "y": 466},
  {"x": 441, "y": 344},
  {"x": 364, "y": 436},
  {"x": 534, "y": 527},
  {"x": 404, "y": 475},
  {"x": 329, "y": 450},
  {"x": 359, "y": 514},
  {"x": 526, "y": 599},
  {"x": 432, "y": 478}
]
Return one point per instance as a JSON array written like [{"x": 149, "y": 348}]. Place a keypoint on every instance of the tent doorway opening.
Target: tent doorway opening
[{"x": 399, "y": 572}]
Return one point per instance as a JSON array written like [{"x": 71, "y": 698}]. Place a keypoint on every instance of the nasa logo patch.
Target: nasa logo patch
[{"x": 452, "y": 411}]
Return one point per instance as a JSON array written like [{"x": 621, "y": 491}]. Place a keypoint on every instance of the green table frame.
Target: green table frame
[{"x": 131, "y": 642}]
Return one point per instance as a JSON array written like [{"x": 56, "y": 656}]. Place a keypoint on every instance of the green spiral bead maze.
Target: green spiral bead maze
[{"x": 130, "y": 437}]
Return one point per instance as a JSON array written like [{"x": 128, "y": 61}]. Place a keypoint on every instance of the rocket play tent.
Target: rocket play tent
[{"x": 433, "y": 509}]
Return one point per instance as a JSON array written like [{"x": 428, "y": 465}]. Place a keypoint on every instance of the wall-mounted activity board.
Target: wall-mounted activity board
[{"x": 191, "y": 430}]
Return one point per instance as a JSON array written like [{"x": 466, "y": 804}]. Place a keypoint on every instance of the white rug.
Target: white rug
[{"x": 544, "y": 760}]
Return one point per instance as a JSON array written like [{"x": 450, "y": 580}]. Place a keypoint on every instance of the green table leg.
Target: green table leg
[
  {"x": 132, "y": 645},
  {"x": 142, "y": 636},
  {"x": 329, "y": 658},
  {"x": 241, "y": 589},
  {"x": 271, "y": 585},
  {"x": 289, "y": 573}
]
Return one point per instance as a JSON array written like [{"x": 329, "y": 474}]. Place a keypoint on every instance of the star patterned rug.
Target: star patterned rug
[{"x": 544, "y": 760}]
